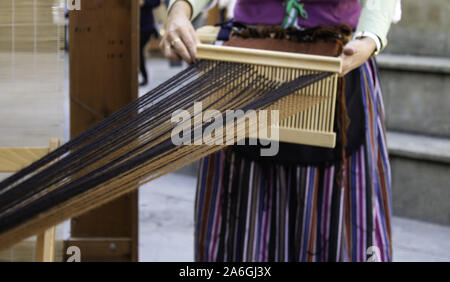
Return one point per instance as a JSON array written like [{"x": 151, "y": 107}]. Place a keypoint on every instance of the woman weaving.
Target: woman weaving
[{"x": 306, "y": 203}]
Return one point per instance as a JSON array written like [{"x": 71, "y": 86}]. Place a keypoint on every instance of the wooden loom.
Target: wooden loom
[
  {"x": 307, "y": 117},
  {"x": 312, "y": 109},
  {"x": 104, "y": 38},
  {"x": 313, "y": 123}
]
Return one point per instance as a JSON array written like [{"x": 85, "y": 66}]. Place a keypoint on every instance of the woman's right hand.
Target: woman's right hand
[{"x": 179, "y": 40}]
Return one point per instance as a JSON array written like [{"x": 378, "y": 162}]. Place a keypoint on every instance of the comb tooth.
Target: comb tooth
[
  {"x": 292, "y": 76},
  {"x": 317, "y": 115},
  {"x": 330, "y": 106},
  {"x": 303, "y": 120},
  {"x": 333, "y": 105},
  {"x": 278, "y": 74},
  {"x": 308, "y": 118},
  {"x": 295, "y": 99},
  {"x": 291, "y": 100},
  {"x": 319, "y": 105},
  {"x": 299, "y": 115},
  {"x": 327, "y": 105},
  {"x": 313, "y": 108},
  {"x": 322, "y": 103},
  {"x": 305, "y": 126}
]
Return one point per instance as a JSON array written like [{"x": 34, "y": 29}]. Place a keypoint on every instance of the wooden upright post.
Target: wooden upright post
[
  {"x": 103, "y": 46},
  {"x": 45, "y": 245},
  {"x": 45, "y": 242}
]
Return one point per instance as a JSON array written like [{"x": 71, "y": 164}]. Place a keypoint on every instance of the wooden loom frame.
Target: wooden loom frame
[
  {"x": 104, "y": 59},
  {"x": 267, "y": 63},
  {"x": 293, "y": 129},
  {"x": 13, "y": 159}
]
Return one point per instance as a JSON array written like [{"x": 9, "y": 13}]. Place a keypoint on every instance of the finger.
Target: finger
[
  {"x": 194, "y": 35},
  {"x": 168, "y": 52},
  {"x": 173, "y": 57},
  {"x": 179, "y": 47},
  {"x": 189, "y": 42},
  {"x": 196, "y": 40}
]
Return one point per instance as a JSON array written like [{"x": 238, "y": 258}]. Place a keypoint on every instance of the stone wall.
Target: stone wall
[{"x": 424, "y": 29}]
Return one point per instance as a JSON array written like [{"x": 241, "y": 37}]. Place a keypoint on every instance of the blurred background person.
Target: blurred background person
[{"x": 147, "y": 30}]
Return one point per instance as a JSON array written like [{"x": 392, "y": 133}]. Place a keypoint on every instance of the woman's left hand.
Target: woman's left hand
[{"x": 356, "y": 52}]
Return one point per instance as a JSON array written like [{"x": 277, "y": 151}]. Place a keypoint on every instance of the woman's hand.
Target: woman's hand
[
  {"x": 356, "y": 52},
  {"x": 180, "y": 40}
]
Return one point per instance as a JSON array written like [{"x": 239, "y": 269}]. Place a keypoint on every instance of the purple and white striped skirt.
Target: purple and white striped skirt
[{"x": 252, "y": 211}]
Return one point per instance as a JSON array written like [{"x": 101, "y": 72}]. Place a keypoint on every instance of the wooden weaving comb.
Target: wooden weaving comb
[{"x": 307, "y": 116}]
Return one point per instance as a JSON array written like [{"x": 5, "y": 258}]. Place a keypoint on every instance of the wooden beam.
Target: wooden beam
[
  {"x": 14, "y": 159},
  {"x": 305, "y": 137},
  {"x": 269, "y": 58}
]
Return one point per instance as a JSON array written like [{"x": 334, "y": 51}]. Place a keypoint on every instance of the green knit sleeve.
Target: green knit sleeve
[
  {"x": 196, "y": 5},
  {"x": 376, "y": 17}
]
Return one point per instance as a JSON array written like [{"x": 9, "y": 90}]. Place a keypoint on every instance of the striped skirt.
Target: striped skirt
[{"x": 251, "y": 211}]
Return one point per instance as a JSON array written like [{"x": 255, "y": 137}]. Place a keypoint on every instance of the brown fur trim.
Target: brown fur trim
[{"x": 340, "y": 34}]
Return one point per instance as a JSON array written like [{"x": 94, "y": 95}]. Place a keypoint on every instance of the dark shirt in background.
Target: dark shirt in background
[
  {"x": 147, "y": 30},
  {"x": 147, "y": 18}
]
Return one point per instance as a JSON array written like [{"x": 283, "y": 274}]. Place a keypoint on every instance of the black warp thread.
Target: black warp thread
[{"x": 124, "y": 127}]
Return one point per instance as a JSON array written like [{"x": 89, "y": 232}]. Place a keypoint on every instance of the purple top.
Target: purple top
[{"x": 320, "y": 12}]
